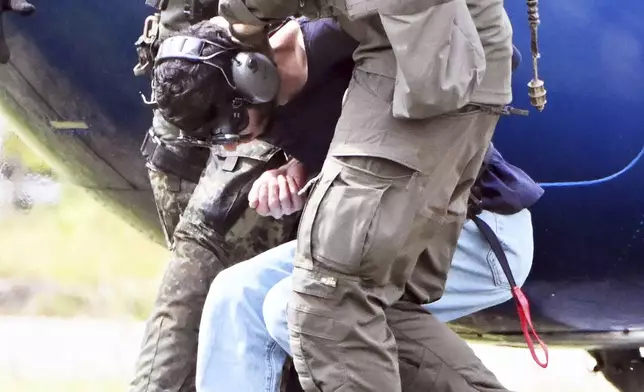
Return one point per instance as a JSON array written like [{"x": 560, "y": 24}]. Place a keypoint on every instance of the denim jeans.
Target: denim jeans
[{"x": 243, "y": 337}]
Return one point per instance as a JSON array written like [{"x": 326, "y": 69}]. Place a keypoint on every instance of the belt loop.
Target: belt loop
[{"x": 230, "y": 163}]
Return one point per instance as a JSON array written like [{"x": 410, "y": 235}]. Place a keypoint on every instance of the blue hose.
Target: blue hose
[{"x": 574, "y": 184}]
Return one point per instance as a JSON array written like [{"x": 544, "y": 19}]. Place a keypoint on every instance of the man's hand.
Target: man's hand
[{"x": 275, "y": 192}]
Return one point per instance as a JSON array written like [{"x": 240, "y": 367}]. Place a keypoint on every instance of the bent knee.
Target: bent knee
[
  {"x": 229, "y": 285},
  {"x": 274, "y": 312}
]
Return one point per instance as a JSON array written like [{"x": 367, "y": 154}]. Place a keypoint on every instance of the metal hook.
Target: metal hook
[
  {"x": 536, "y": 89},
  {"x": 152, "y": 101}
]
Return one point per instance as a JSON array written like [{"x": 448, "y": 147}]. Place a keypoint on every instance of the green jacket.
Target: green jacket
[{"x": 443, "y": 54}]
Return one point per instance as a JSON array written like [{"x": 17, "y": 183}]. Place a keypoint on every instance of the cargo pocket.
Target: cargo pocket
[
  {"x": 223, "y": 197},
  {"x": 440, "y": 59},
  {"x": 357, "y": 216},
  {"x": 338, "y": 219},
  {"x": 316, "y": 334},
  {"x": 310, "y": 313},
  {"x": 319, "y": 186}
]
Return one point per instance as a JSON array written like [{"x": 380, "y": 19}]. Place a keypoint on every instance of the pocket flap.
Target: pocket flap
[
  {"x": 315, "y": 283},
  {"x": 256, "y": 149},
  {"x": 440, "y": 59}
]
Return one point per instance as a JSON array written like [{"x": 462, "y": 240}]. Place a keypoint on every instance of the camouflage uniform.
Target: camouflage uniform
[
  {"x": 208, "y": 226},
  {"x": 217, "y": 229},
  {"x": 171, "y": 192},
  {"x": 171, "y": 195}
]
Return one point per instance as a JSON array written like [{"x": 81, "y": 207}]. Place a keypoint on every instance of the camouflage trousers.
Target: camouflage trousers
[
  {"x": 171, "y": 195},
  {"x": 210, "y": 229}
]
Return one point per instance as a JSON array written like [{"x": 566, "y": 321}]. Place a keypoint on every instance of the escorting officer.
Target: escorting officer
[{"x": 383, "y": 219}]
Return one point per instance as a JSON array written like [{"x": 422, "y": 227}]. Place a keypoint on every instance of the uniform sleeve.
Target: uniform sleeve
[
  {"x": 439, "y": 56},
  {"x": 326, "y": 46},
  {"x": 258, "y": 12}
]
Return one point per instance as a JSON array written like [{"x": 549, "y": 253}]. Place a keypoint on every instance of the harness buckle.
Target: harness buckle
[
  {"x": 474, "y": 206},
  {"x": 151, "y": 28},
  {"x": 144, "y": 44}
]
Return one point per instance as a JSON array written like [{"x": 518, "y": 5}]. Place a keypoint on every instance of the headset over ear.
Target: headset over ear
[
  {"x": 252, "y": 75},
  {"x": 255, "y": 77}
]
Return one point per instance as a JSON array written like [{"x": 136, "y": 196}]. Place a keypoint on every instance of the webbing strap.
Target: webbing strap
[
  {"x": 523, "y": 306},
  {"x": 189, "y": 167}
]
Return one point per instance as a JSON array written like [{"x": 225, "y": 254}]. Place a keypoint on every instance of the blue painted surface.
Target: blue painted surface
[
  {"x": 589, "y": 241},
  {"x": 91, "y": 42},
  {"x": 589, "y": 258}
]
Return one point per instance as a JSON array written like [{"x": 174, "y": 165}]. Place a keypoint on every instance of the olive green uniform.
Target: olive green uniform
[{"x": 406, "y": 151}]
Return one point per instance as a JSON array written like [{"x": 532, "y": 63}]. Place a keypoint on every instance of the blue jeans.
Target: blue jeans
[{"x": 243, "y": 337}]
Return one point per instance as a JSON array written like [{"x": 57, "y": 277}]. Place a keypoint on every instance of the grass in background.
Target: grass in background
[
  {"x": 13, "y": 148},
  {"x": 10, "y": 384},
  {"x": 75, "y": 258}
]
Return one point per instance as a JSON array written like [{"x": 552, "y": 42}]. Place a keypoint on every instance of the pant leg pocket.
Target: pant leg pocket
[
  {"x": 166, "y": 189},
  {"x": 498, "y": 276},
  {"x": 342, "y": 223},
  {"x": 316, "y": 335},
  {"x": 318, "y": 189},
  {"x": 310, "y": 312},
  {"x": 351, "y": 209},
  {"x": 516, "y": 243}
]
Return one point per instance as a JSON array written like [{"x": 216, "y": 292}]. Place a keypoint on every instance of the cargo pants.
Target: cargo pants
[
  {"x": 243, "y": 336},
  {"x": 397, "y": 176},
  {"x": 215, "y": 229},
  {"x": 171, "y": 196},
  {"x": 432, "y": 357},
  {"x": 375, "y": 231},
  {"x": 166, "y": 362}
]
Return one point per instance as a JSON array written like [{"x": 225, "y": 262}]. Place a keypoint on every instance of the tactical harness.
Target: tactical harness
[{"x": 159, "y": 156}]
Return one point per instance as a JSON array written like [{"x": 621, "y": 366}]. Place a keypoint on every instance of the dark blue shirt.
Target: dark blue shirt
[
  {"x": 505, "y": 189},
  {"x": 305, "y": 126}
]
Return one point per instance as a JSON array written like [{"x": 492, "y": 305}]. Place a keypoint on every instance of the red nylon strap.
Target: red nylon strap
[{"x": 529, "y": 333}]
